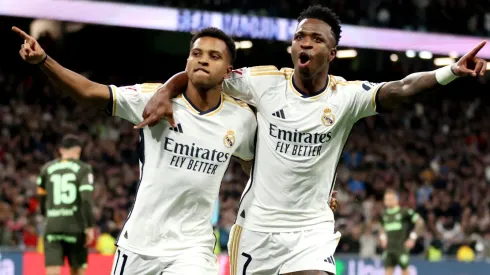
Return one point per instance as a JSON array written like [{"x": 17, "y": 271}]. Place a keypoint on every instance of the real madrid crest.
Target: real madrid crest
[
  {"x": 229, "y": 139},
  {"x": 328, "y": 118}
]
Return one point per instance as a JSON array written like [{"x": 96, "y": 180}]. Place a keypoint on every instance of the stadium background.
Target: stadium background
[{"x": 436, "y": 154}]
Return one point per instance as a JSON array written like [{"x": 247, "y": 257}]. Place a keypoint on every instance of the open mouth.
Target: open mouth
[
  {"x": 201, "y": 70},
  {"x": 304, "y": 59}
]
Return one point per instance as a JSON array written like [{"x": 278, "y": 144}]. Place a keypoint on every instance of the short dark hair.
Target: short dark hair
[
  {"x": 70, "y": 141},
  {"x": 324, "y": 14},
  {"x": 219, "y": 34}
]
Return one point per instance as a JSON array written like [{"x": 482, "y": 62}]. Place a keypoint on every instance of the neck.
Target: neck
[
  {"x": 202, "y": 98},
  {"x": 310, "y": 84},
  {"x": 69, "y": 156}
]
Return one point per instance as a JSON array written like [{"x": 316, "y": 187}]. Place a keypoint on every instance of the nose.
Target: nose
[
  {"x": 306, "y": 44},
  {"x": 203, "y": 62}
]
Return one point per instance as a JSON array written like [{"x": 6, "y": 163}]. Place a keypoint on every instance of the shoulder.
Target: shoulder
[
  {"x": 340, "y": 84},
  {"x": 87, "y": 167},
  {"x": 149, "y": 87},
  {"x": 268, "y": 71},
  {"x": 143, "y": 88},
  {"x": 45, "y": 167},
  {"x": 238, "y": 106},
  {"x": 409, "y": 211}
]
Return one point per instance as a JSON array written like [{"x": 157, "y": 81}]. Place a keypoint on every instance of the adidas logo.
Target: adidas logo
[
  {"x": 177, "y": 129},
  {"x": 330, "y": 260},
  {"x": 279, "y": 114}
]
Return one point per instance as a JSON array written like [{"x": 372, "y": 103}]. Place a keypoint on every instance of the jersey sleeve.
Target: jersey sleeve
[
  {"x": 41, "y": 190},
  {"x": 128, "y": 102},
  {"x": 86, "y": 189},
  {"x": 249, "y": 83},
  {"x": 246, "y": 149},
  {"x": 412, "y": 216},
  {"x": 239, "y": 85},
  {"x": 41, "y": 182},
  {"x": 362, "y": 95},
  {"x": 87, "y": 181}
]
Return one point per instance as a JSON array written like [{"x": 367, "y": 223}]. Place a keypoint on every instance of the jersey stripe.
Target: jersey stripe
[
  {"x": 263, "y": 68},
  {"x": 86, "y": 187},
  {"x": 234, "y": 247},
  {"x": 268, "y": 73},
  {"x": 114, "y": 100},
  {"x": 150, "y": 87}
]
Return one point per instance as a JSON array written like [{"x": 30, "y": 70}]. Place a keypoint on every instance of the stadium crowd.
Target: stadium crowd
[
  {"x": 437, "y": 156},
  {"x": 451, "y": 16}
]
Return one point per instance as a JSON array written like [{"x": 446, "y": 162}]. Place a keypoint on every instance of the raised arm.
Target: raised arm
[
  {"x": 72, "y": 84},
  {"x": 391, "y": 94}
]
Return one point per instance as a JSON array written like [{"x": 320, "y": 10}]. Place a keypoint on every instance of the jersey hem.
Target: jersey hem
[
  {"x": 257, "y": 228},
  {"x": 170, "y": 252}
]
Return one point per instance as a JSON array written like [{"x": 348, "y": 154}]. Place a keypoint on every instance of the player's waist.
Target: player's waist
[
  {"x": 168, "y": 248},
  {"x": 285, "y": 222}
]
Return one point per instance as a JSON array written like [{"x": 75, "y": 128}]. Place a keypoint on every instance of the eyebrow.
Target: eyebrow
[
  {"x": 310, "y": 33},
  {"x": 210, "y": 51}
]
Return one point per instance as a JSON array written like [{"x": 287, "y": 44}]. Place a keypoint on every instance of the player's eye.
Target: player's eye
[
  {"x": 318, "y": 40},
  {"x": 215, "y": 56},
  {"x": 196, "y": 53},
  {"x": 298, "y": 37}
]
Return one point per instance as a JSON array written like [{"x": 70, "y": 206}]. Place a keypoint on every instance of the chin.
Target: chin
[{"x": 202, "y": 84}]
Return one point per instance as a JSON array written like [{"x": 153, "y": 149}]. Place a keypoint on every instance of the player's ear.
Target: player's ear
[
  {"x": 332, "y": 55},
  {"x": 229, "y": 69}
]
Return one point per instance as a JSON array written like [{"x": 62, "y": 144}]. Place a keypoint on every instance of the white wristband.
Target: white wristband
[
  {"x": 413, "y": 236},
  {"x": 382, "y": 237},
  {"x": 445, "y": 75}
]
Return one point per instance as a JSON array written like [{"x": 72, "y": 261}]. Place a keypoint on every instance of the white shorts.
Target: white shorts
[
  {"x": 198, "y": 263},
  {"x": 262, "y": 253}
]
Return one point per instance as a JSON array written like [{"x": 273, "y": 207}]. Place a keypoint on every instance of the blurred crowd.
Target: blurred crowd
[
  {"x": 437, "y": 156},
  {"x": 451, "y": 16}
]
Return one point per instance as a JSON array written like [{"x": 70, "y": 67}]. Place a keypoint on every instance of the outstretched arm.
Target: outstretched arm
[
  {"x": 391, "y": 94},
  {"x": 72, "y": 84}
]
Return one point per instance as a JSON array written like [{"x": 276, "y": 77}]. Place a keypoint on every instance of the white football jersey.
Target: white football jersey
[
  {"x": 181, "y": 169},
  {"x": 299, "y": 143}
]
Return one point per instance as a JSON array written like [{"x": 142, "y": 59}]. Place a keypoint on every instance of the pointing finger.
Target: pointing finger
[
  {"x": 144, "y": 123},
  {"x": 475, "y": 50},
  {"x": 21, "y": 33},
  {"x": 171, "y": 120}
]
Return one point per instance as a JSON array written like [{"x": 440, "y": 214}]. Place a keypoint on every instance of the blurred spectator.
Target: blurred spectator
[{"x": 6, "y": 234}]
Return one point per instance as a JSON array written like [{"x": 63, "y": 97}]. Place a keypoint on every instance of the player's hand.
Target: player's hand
[
  {"x": 409, "y": 244},
  {"x": 159, "y": 106},
  {"x": 89, "y": 236},
  {"x": 30, "y": 50},
  {"x": 333, "y": 202},
  {"x": 469, "y": 64}
]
